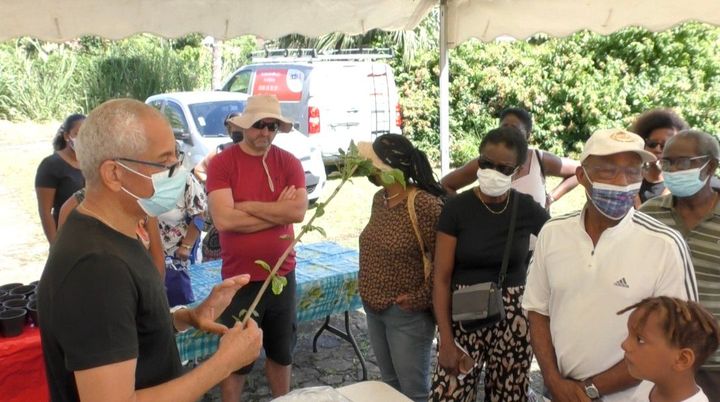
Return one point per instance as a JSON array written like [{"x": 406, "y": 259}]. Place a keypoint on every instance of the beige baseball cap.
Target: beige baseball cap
[
  {"x": 614, "y": 141},
  {"x": 260, "y": 107}
]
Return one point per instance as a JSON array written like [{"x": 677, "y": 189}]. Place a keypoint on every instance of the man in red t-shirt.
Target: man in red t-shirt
[{"x": 256, "y": 192}]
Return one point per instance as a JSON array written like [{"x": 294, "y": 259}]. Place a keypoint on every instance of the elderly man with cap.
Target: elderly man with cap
[
  {"x": 590, "y": 264},
  {"x": 689, "y": 161},
  {"x": 106, "y": 328},
  {"x": 257, "y": 192}
]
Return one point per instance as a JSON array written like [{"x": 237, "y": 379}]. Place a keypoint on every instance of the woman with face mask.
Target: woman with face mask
[
  {"x": 394, "y": 275},
  {"x": 211, "y": 241},
  {"x": 472, "y": 234},
  {"x": 58, "y": 176}
]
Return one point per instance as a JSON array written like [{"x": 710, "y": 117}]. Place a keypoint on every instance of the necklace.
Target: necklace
[
  {"x": 507, "y": 201},
  {"x": 98, "y": 217},
  {"x": 386, "y": 198}
]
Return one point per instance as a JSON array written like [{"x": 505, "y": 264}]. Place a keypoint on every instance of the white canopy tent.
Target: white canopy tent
[{"x": 61, "y": 20}]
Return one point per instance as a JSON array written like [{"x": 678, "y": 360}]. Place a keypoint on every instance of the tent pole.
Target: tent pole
[{"x": 444, "y": 93}]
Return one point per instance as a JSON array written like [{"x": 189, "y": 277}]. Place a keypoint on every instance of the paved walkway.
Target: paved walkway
[{"x": 335, "y": 364}]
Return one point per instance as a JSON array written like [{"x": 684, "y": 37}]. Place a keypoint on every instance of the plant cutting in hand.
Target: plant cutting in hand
[{"x": 352, "y": 164}]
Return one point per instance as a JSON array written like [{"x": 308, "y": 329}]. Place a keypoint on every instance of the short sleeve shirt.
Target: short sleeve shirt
[
  {"x": 102, "y": 302},
  {"x": 391, "y": 260},
  {"x": 54, "y": 172},
  {"x": 482, "y": 235},
  {"x": 248, "y": 180},
  {"x": 582, "y": 286},
  {"x": 174, "y": 224},
  {"x": 704, "y": 244}
]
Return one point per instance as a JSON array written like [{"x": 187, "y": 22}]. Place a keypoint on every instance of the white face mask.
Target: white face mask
[{"x": 493, "y": 183}]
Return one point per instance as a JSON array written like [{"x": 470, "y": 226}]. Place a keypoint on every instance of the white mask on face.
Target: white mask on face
[{"x": 493, "y": 183}]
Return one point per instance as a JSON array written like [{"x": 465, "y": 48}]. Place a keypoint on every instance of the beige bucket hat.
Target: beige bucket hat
[
  {"x": 260, "y": 107},
  {"x": 365, "y": 149}
]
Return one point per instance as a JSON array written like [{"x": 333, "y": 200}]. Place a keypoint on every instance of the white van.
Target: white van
[{"x": 332, "y": 98}]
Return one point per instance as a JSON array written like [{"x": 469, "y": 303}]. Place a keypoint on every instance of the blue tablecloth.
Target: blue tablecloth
[{"x": 326, "y": 276}]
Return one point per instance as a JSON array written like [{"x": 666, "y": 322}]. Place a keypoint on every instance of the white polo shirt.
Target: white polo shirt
[{"x": 581, "y": 287}]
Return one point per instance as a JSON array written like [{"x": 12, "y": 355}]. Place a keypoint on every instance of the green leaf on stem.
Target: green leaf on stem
[{"x": 264, "y": 265}]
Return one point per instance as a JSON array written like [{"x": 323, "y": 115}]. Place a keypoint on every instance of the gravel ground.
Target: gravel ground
[{"x": 335, "y": 364}]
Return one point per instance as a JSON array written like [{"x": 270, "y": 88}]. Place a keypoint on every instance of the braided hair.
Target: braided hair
[
  {"x": 399, "y": 153},
  {"x": 686, "y": 324}
]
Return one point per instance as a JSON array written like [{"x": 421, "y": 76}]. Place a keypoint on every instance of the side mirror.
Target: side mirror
[{"x": 182, "y": 135}]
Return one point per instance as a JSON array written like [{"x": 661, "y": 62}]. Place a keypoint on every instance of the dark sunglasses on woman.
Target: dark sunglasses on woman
[{"x": 484, "y": 163}]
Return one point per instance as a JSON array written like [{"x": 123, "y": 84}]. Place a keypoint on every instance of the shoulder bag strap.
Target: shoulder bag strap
[
  {"x": 539, "y": 156},
  {"x": 508, "y": 244},
  {"x": 413, "y": 218}
]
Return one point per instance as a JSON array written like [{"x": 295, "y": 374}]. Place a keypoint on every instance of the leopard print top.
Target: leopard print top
[{"x": 390, "y": 257}]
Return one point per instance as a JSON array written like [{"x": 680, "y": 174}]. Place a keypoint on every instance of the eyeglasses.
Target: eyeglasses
[
  {"x": 170, "y": 168},
  {"x": 270, "y": 126},
  {"x": 667, "y": 165},
  {"x": 651, "y": 144},
  {"x": 610, "y": 172},
  {"x": 484, "y": 163}
]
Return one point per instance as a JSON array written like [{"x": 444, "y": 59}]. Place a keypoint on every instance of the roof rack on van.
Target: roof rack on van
[{"x": 310, "y": 55}]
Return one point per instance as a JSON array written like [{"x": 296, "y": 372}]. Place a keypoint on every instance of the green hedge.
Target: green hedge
[
  {"x": 43, "y": 81},
  {"x": 572, "y": 86}
]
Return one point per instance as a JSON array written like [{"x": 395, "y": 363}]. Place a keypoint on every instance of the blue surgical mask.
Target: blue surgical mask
[
  {"x": 685, "y": 183},
  {"x": 612, "y": 201},
  {"x": 167, "y": 190}
]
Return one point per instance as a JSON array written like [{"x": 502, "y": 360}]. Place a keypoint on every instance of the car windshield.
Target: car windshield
[{"x": 210, "y": 116}]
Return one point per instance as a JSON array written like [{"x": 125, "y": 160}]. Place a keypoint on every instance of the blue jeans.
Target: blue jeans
[{"x": 402, "y": 341}]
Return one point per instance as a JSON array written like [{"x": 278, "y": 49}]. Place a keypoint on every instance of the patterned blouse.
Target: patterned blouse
[
  {"x": 390, "y": 257},
  {"x": 174, "y": 224}
]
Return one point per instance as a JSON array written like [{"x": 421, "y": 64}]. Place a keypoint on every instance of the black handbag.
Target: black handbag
[{"x": 481, "y": 305}]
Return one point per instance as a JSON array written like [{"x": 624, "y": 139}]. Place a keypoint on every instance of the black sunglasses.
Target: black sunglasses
[
  {"x": 653, "y": 144},
  {"x": 270, "y": 126},
  {"x": 170, "y": 168},
  {"x": 484, "y": 163}
]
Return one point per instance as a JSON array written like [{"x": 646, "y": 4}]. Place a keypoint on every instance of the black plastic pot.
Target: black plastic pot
[
  {"x": 12, "y": 322},
  {"x": 15, "y": 304},
  {"x": 11, "y": 297},
  {"x": 33, "y": 312},
  {"x": 10, "y": 286},
  {"x": 26, "y": 290}
]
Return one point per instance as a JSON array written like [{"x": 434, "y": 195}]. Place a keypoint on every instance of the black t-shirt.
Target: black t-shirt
[
  {"x": 481, "y": 237},
  {"x": 54, "y": 172},
  {"x": 101, "y": 301}
]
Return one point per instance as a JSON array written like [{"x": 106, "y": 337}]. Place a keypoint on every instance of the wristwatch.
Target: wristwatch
[{"x": 591, "y": 390}]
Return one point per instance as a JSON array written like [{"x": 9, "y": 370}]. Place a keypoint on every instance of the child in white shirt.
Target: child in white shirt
[{"x": 668, "y": 340}]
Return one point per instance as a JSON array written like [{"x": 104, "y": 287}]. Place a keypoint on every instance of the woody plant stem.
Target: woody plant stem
[{"x": 305, "y": 228}]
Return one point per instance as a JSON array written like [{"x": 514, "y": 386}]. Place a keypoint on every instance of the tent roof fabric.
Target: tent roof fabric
[
  {"x": 488, "y": 19},
  {"x": 63, "y": 20}
]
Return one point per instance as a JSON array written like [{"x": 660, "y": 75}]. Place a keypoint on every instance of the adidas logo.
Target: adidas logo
[{"x": 622, "y": 283}]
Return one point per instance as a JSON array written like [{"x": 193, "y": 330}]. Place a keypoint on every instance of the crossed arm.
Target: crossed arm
[{"x": 254, "y": 216}]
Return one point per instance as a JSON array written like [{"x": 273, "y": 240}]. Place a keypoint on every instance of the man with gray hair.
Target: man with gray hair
[
  {"x": 689, "y": 161},
  {"x": 590, "y": 264},
  {"x": 107, "y": 331}
]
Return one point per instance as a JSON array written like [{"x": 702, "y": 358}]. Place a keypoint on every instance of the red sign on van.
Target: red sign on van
[{"x": 286, "y": 84}]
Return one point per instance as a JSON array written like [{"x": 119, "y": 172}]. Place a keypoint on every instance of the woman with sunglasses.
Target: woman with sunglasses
[
  {"x": 655, "y": 126},
  {"x": 472, "y": 232}
]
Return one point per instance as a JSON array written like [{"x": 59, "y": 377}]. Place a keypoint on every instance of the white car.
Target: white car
[{"x": 197, "y": 122}]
